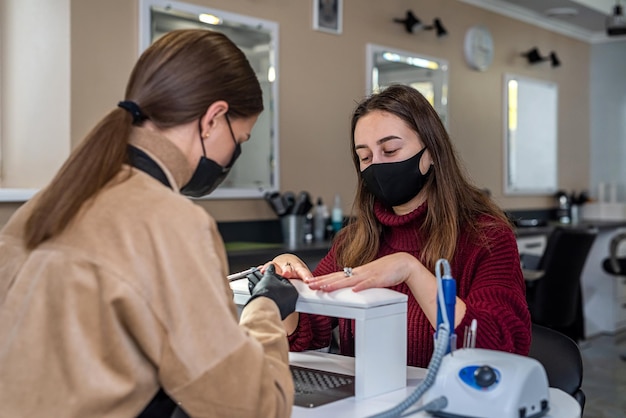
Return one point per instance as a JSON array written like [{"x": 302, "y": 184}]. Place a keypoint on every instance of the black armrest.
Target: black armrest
[{"x": 614, "y": 266}]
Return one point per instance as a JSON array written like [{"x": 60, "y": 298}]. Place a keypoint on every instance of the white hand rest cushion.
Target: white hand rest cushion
[{"x": 342, "y": 297}]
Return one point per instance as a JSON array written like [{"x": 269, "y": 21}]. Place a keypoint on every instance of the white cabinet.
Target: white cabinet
[
  {"x": 531, "y": 248},
  {"x": 532, "y": 244}
]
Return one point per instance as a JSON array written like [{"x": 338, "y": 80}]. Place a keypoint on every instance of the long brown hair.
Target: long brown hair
[
  {"x": 453, "y": 203},
  {"x": 174, "y": 82}
]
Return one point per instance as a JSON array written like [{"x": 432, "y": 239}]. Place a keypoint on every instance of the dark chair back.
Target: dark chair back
[
  {"x": 561, "y": 358},
  {"x": 555, "y": 300}
]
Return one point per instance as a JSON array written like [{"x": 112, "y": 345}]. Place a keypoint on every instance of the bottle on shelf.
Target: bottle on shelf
[
  {"x": 337, "y": 214},
  {"x": 321, "y": 218},
  {"x": 308, "y": 228}
]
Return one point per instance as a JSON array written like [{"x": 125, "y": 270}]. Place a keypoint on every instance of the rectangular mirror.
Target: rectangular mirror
[
  {"x": 256, "y": 171},
  {"x": 530, "y": 135},
  {"x": 429, "y": 76}
]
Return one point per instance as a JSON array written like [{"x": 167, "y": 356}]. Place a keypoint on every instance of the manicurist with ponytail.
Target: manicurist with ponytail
[{"x": 113, "y": 283}]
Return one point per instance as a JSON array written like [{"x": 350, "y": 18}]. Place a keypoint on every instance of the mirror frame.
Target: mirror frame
[
  {"x": 541, "y": 104},
  {"x": 145, "y": 39},
  {"x": 441, "y": 94}
]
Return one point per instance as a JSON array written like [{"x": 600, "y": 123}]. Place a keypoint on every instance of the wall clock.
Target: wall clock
[{"x": 478, "y": 48}]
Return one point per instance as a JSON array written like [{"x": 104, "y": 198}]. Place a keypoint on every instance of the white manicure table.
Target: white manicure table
[{"x": 381, "y": 378}]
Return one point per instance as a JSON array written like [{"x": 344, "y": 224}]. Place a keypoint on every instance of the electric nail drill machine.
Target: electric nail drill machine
[{"x": 483, "y": 383}]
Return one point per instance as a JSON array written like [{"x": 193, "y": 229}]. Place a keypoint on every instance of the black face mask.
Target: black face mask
[
  {"x": 209, "y": 174},
  {"x": 396, "y": 183}
]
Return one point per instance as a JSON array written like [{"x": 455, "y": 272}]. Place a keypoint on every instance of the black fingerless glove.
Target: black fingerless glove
[{"x": 273, "y": 286}]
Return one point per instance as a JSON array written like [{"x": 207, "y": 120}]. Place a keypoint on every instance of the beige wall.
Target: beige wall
[
  {"x": 322, "y": 75},
  {"x": 34, "y": 105}
]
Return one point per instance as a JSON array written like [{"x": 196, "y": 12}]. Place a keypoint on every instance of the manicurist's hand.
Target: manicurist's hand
[
  {"x": 386, "y": 271},
  {"x": 271, "y": 285},
  {"x": 290, "y": 267}
]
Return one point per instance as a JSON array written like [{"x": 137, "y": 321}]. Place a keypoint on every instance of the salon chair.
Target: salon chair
[
  {"x": 615, "y": 265},
  {"x": 554, "y": 291},
  {"x": 561, "y": 358}
]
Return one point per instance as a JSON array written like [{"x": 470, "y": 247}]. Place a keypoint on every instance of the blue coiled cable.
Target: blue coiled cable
[{"x": 441, "y": 345}]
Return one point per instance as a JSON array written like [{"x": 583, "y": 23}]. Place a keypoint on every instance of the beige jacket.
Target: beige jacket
[{"x": 130, "y": 297}]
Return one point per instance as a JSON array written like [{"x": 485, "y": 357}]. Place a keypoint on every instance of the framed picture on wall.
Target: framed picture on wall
[{"x": 328, "y": 16}]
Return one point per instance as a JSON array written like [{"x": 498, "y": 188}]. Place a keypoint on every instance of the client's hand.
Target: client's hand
[
  {"x": 290, "y": 267},
  {"x": 273, "y": 286},
  {"x": 386, "y": 271}
]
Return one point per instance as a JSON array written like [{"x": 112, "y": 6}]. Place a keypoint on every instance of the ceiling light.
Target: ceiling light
[
  {"x": 414, "y": 61},
  {"x": 210, "y": 19},
  {"x": 616, "y": 24}
]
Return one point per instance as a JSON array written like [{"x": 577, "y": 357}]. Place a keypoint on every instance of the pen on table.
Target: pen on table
[
  {"x": 241, "y": 274},
  {"x": 469, "y": 337},
  {"x": 473, "y": 327}
]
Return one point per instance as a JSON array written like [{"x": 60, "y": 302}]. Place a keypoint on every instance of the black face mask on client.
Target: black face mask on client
[
  {"x": 209, "y": 174},
  {"x": 396, "y": 183}
]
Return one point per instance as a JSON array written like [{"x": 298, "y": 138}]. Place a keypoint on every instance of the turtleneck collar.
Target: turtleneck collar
[
  {"x": 400, "y": 232},
  {"x": 165, "y": 154},
  {"x": 387, "y": 217}
]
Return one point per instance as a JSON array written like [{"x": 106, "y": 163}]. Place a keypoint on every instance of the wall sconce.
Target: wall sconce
[
  {"x": 533, "y": 56},
  {"x": 412, "y": 22}
]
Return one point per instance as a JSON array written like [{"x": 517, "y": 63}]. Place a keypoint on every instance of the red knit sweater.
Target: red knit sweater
[{"x": 488, "y": 278}]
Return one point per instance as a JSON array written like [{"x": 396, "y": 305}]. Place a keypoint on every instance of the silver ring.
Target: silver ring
[{"x": 347, "y": 271}]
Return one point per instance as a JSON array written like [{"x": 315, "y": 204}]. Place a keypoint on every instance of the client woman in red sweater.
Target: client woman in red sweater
[{"x": 414, "y": 206}]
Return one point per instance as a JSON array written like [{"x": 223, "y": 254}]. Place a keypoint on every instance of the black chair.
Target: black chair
[
  {"x": 561, "y": 358},
  {"x": 614, "y": 265},
  {"x": 554, "y": 295}
]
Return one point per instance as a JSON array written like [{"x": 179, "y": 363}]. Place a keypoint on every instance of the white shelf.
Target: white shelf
[{"x": 16, "y": 195}]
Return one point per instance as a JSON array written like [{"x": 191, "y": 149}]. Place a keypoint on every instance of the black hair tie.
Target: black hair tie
[{"x": 133, "y": 108}]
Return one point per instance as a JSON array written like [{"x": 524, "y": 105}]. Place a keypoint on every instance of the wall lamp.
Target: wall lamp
[
  {"x": 412, "y": 23},
  {"x": 533, "y": 56}
]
